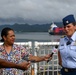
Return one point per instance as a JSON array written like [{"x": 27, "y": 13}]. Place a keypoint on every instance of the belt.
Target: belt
[{"x": 69, "y": 69}]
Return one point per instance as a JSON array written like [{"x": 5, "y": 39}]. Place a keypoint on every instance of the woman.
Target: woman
[
  {"x": 67, "y": 47},
  {"x": 14, "y": 53}
]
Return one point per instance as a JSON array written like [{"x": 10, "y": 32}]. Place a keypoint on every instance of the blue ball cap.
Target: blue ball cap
[{"x": 68, "y": 19}]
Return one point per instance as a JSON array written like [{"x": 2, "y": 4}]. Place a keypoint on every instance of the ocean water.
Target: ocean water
[{"x": 36, "y": 36}]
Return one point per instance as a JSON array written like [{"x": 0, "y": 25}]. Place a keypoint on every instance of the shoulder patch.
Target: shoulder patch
[{"x": 63, "y": 36}]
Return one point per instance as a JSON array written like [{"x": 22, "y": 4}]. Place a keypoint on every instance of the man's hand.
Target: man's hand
[{"x": 24, "y": 65}]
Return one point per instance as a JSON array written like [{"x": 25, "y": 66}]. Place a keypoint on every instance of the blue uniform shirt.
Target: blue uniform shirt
[{"x": 68, "y": 52}]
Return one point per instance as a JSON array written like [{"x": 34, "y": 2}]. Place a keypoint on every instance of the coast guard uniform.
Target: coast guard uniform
[
  {"x": 67, "y": 49},
  {"x": 68, "y": 52}
]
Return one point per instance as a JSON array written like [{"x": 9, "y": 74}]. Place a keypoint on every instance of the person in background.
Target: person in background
[
  {"x": 67, "y": 47},
  {"x": 15, "y": 53}
]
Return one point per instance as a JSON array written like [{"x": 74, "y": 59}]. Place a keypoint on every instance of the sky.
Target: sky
[{"x": 35, "y": 11}]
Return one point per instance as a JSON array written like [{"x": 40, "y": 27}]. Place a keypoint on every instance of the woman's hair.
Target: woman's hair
[
  {"x": 74, "y": 23},
  {"x": 4, "y": 32}
]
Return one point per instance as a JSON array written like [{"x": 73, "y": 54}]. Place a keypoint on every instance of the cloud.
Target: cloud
[{"x": 35, "y": 11}]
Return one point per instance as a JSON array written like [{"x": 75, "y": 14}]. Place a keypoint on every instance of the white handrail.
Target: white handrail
[{"x": 42, "y": 46}]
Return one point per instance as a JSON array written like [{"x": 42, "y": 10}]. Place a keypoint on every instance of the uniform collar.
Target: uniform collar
[{"x": 73, "y": 37}]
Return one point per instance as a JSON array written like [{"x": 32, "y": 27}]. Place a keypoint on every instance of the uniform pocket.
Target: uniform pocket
[
  {"x": 61, "y": 47},
  {"x": 62, "y": 51},
  {"x": 72, "y": 52},
  {"x": 73, "y": 47}
]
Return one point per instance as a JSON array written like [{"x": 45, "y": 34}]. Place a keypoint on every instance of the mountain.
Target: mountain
[{"x": 30, "y": 28}]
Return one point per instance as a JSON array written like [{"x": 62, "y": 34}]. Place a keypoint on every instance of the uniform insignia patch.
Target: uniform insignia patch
[
  {"x": 62, "y": 44},
  {"x": 63, "y": 36}
]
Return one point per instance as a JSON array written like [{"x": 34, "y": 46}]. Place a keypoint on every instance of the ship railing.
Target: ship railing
[{"x": 44, "y": 68}]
